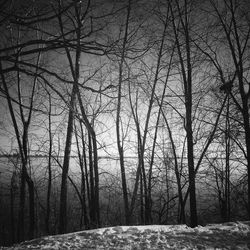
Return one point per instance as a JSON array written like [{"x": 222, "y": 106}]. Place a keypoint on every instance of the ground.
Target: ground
[{"x": 233, "y": 235}]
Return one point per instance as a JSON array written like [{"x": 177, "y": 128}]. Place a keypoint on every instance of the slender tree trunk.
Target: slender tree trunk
[
  {"x": 181, "y": 217},
  {"x": 96, "y": 179},
  {"x": 168, "y": 191},
  {"x": 86, "y": 180},
  {"x": 186, "y": 74},
  {"x": 191, "y": 171},
  {"x": 20, "y": 224},
  {"x": 82, "y": 158},
  {"x": 139, "y": 143},
  {"x": 245, "y": 113},
  {"x": 118, "y": 121},
  {"x": 84, "y": 207},
  {"x": 227, "y": 170},
  {"x": 142, "y": 215},
  {"x": 247, "y": 140},
  {"x": 32, "y": 225},
  {"x": 63, "y": 195},
  {"x": 93, "y": 163},
  {"x": 160, "y": 111},
  {"x": 150, "y": 106},
  {"x": 47, "y": 217},
  {"x": 75, "y": 68},
  {"x": 91, "y": 181},
  {"x": 29, "y": 181},
  {"x": 12, "y": 211}
]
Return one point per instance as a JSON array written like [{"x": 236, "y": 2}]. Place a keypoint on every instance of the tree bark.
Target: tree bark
[
  {"x": 118, "y": 121},
  {"x": 186, "y": 74},
  {"x": 63, "y": 195},
  {"x": 47, "y": 217}
]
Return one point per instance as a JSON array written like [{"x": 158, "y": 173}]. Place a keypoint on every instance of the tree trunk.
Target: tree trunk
[
  {"x": 184, "y": 54},
  {"x": 191, "y": 172},
  {"x": 91, "y": 181},
  {"x": 181, "y": 216},
  {"x": 86, "y": 180},
  {"x": 118, "y": 121},
  {"x": 96, "y": 179},
  {"x": 20, "y": 224},
  {"x": 63, "y": 195},
  {"x": 227, "y": 170},
  {"x": 82, "y": 161},
  {"x": 12, "y": 211},
  {"x": 247, "y": 140},
  {"x": 32, "y": 225},
  {"x": 47, "y": 217}
]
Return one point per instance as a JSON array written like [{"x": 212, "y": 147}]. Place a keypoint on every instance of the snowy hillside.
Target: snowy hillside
[{"x": 215, "y": 236}]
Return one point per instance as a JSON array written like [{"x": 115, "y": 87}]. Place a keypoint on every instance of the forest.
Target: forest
[{"x": 123, "y": 112}]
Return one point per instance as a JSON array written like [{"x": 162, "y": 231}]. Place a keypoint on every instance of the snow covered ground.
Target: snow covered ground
[{"x": 233, "y": 235}]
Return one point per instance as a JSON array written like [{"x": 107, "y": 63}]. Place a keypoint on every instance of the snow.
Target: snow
[{"x": 232, "y": 235}]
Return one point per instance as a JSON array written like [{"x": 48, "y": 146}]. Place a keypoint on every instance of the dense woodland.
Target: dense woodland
[{"x": 123, "y": 112}]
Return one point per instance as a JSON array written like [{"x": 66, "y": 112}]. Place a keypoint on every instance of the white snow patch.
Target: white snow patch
[
  {"x": 133, "y": 229},
  {"x": 232, "y": 235}
]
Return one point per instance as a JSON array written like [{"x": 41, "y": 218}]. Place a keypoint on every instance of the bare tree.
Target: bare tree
[
  {"x": 118, "y": 118},
  {"x": 236, "y": 31},
  {"x": 182, "y": 11},
  {"x": 22, "y": 135}
]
